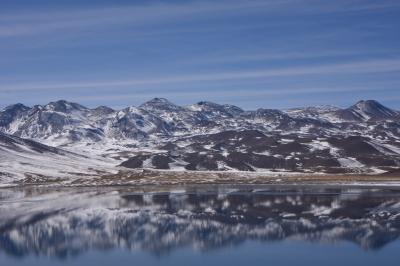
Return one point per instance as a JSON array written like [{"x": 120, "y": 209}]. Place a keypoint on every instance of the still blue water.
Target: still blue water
[{"x": 200, "y": 226}]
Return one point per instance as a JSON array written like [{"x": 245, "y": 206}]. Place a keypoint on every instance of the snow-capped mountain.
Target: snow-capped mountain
[
  {"x": 371, "y": 110},
  {"x": 364, "y": 111},
  {"x": 364, "y": 138},
  {"x": 12, "y": 113}
]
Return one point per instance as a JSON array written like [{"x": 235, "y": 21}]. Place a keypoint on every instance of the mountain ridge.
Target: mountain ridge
[{"x": 158, "y": 134}]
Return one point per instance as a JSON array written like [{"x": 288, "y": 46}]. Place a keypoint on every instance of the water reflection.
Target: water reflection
[{"x": 64, "y": 223}]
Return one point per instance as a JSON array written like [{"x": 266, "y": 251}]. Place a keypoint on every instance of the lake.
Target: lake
[{"x": 200, "y": 225}]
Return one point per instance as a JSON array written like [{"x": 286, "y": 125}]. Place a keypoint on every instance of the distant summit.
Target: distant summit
[
  {"x": 64, "y": 106},
  {"x": 159, "y": 103},
  {"x": 371, "y": 109}
]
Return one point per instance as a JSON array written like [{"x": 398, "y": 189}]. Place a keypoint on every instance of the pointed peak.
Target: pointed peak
[
  {"x": 159, "y": 103},
  {"x": 158, "y": 100},
  {"x": 64, "y": 106},
  {"x": 372, "y": 109},
  {"x": 368, "y": 105}
]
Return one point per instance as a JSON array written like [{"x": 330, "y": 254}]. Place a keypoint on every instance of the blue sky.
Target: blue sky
[{"x": 272, "y": 54}]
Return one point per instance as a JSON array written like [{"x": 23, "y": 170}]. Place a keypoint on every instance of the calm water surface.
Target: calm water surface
[{"x": 200, "y": 225}]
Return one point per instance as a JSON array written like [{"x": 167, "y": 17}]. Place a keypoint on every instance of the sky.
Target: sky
[{"x": 251, "y": 53}]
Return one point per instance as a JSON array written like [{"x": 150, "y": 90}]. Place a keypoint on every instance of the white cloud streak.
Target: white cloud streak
[
  {"x": 284, "y": 55},
  {"x": 53, "y": 21},
  {"x": 30, "y": 23},
  {"x": 248, "y": 92},
  {"x": 355, "y": 67}
]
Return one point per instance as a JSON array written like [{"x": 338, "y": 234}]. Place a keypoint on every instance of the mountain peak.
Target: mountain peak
[
  {"x": 367, "y": 103},
  {"x": 64, "y": 106},
  {"x": 160, "y": 104},
  {"x": 158, "y": 101},
  {"x": 371, "y": 109}
]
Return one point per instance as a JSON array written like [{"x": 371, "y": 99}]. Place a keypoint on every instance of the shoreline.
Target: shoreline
[{"x": 146, "y": 177}]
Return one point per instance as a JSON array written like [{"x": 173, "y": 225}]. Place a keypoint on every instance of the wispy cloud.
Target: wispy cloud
[
  {"x": 354, "y": 67},
  {"x": 284, "y": 55},
  {"x": 29, "y": 23},
  {"x": 248, "y": 92},
  {"x": 52, "y": 21}
]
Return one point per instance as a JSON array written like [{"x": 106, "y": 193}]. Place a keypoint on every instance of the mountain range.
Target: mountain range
[{"x": 65, "y": 138}]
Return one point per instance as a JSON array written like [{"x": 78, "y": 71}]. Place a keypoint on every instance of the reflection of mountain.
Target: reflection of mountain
[{"x": 160, "y": 222}]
